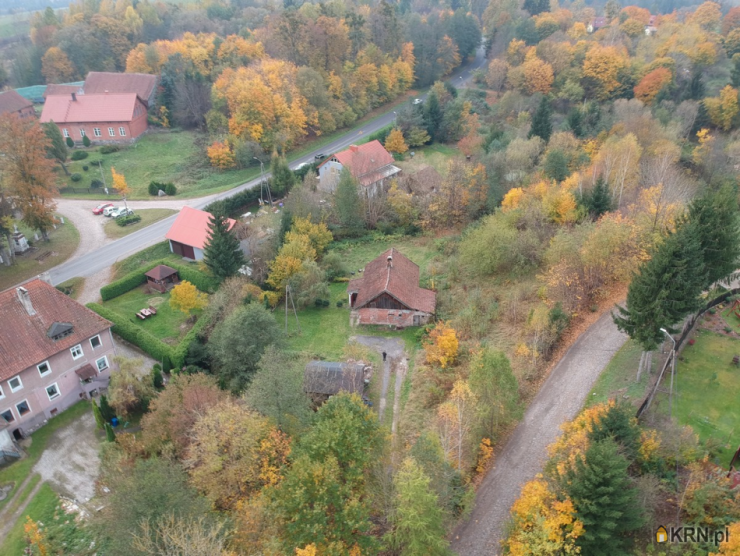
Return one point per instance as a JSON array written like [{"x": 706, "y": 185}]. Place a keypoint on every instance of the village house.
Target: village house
[
  {"x": 189, "y": 233},
  {"x": 370, "y": 164},
  {"x": 388, "y": 293},
  {"x": 11, "y": 102},
  {"x": 103, "y": 118},
  {"x": 323, "y": 379},
  {"x": 143, "y": 85},
  {"x": 652, "y": 25},
  {"x": 597, "y": 23},
  {"x": 53, "y": 352}
]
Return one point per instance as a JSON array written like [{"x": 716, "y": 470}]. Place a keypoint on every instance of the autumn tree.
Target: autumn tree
[
  {"x": 443, "y": 345},
  {"x": 318, "y": 234},
  {"x": 119, "y": 183},
  {"x": 707, "y": 15},
  {"x": 56, "y": 67},
  {"x": 494, "y": 385},
  {"x": 220, "y": 155},
  {"x": 602, "y": 67},
  {"x": 186, "y": 298},
  {"x": 27, "y": 174},
  {"x": 182, "y": 535},
  {"x": 724, "y": 109},
  {"x": 57, "y": 148},
  {"x": 347, "y": 202},
  {"x": 652, "y": 84},
  {"x": 395, "y": 142},
  {"x": 455, "y": 419},
  {"x": 128, "y": 391},
  {"x": 538, "y": 76},
  {"x": 222, "y": 254}
]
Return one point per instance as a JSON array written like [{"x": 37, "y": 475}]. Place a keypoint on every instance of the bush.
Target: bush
[
  {"x": 79, "y": 155},
  {"x": 85, "y": 167},
  {"x": 127, "y": 283},
  {"x": 86, "y": 141},
  {"x": 76, "y": 177},
  {"x": 181, "y": 350},
  {"x": 153, "y": 189},
  {"x": 204, "y": 282},
  {"x": 108, "y": 149},
  {"x": 70, "y": 142},
  {"x": 340, "y": 304},
  {"x": 96, "y": 162},
  {"x": 95, "y": 184},
  {"x": 128, "y": 219},
  {"x": 170, "y": 189},
  {"x": 157, "y": 380}
]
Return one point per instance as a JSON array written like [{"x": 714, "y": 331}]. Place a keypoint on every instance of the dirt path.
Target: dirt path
[
  {"x": 559, "y": 400},
  {"x": 8, "y": 521},
  {"x": 393, "y": 347},
  {"x": 402, "y": 367}
]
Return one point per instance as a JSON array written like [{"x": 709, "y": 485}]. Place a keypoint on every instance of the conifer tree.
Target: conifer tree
[
  {"x": 99, "y": 421},
  {"x": 575, "y": 122},
  {"x": 221, "y": 253},
  {"x": 599, "y": 200},
  {"x": 604, "y": 498},
  {"x": 105, "y": 409},
  {"x": 433, "y": 115},
  {"x": 556, "y": 165},
  {"x": 58, "y": 148},
  {"x": 283, "y": 178},
  {"x": 157, "y": 380},
  {"x": 347, "y": 202},
  {"x": 70, "y": 142},
  {"x": 618, "y": 424},
  {"x": 541, "y": 121},
  {"x": 110, "y": 435}
]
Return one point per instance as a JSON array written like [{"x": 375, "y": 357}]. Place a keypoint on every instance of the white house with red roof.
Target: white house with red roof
[
  {"x": 370, "y": 164},
  {"x": 104, "y": 118},
  {"x": 189, "y": 233},
  {"x": 53, "y": 352}
]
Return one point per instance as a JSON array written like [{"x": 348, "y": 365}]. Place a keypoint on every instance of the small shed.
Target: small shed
[
  {"x": 161, "y": 278},
  {"x": 323, "y": 379}
]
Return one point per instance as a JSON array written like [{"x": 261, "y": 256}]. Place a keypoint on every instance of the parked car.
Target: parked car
[
  {"x": 418, "y": 101},
  {"x": 320, "y": 156},
  {"x": 108, "y": 210},
  {"x": 120, "y": 211},
  {"x": 301, "y": 166},
  {"x": 100, "y": 208}
]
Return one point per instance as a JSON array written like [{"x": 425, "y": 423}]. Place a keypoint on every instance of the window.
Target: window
[
  {"x": 102, "y": 364},
  {"x": 52, "y": 391},
  {"x": 122, "y": 131},
  {"x": 22, "y": 408},
  {"x": 96, "y": 131},
  {"x": 8, "y": 416},
  {"x": 15, "y": 384},
  {"x": 76, "y": 351},
  {"x": 111, "y": 132},
  {"x": 95, "y": 342},
  {"x": 82, "y": 132},
  {"x": 44, "y": 368},
  {"x": 65, "y": 131}
]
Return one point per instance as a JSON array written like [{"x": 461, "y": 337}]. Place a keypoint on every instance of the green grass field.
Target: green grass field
[
  {"x": 148, "y": 216},
  {"x": 167, "y": 325},
  {"x": 63, "y": 242},
  {"x": 153, "y": 253},
  {"x": 72, "y": 287},
  {"x": 619, "y": 377}
]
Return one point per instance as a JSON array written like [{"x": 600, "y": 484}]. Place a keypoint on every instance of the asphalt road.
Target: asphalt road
[{"x": 105, "y": 256}]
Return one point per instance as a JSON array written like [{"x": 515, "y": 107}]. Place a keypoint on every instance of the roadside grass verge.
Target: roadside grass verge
[
  {"x": 148, "y": 216},
  {"x": 72, "y": 287},
  {"x": 137, "y": 260},
  {"x": 619, "y": 377}
]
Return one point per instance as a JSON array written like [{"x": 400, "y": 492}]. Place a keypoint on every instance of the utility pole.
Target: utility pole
[
  {"x": 670, "y": 412},
  {"x": 264, "y": 185}
]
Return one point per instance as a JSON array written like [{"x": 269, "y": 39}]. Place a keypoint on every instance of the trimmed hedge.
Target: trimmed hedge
[
  {"x": 180, "y": 351},
  {"x": 79, "y": 155},
  {"x": 204, "y": 282},
  {"x": 231, "y": 204},
  {"x": 127, "y": 283},
  {"x": 128, "y": 219}
]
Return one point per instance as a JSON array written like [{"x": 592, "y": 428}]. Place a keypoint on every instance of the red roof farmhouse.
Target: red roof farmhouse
[
  {"x": 12, "y": 102},
  {"x": 106, "y": 118},
  {"x": 101, "y": 82},
  {"x": 189, "y": 233},
  {"x": 53, "y": 352},
  {"x": 370, "y": 164},
  {"x": 388, "y": 293}
]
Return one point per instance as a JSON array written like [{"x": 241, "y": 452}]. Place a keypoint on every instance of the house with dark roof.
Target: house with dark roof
[
  {"x": 323, "y": 379},
  {"x": 104, "y": 118},
  {"x": 13, "y": 103},
  {"x": 370, "y": 164},
  {"x": 143, "y": 85},
  {"x": 53, "y": 352},
  {"x": 388, "y": 293},
  {"x": 189, "y": 233},
  {"x": 597, "y": 23}
]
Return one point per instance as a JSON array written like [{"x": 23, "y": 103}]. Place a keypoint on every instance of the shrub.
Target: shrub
[
  {"x": 157, "y": 380},
  {"x": 96, "y": 162},
  {"x": 76, "y": 177},
  {"x": 170, "y": 189},
  {"x": 127, "y": 283},
  {"x": 340, "y": 304},
  {"x": 318, "y": 303},
  {"x": 153, "y": 189},
  {"x": 69, "y": 142},
  {"x": 79, "y": 155},
  {"x": 128, "y": 219},
  {"x": 108, "y": 149},
  {"x": 181, "y": 350},
  {"x": 85, "y": 167},
  {"x": 95, "y": 184},
  {"x": 86, "y": 141}
]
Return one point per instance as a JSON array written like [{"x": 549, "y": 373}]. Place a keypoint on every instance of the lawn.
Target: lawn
[
  {"x": 619, "y": 377},
  {"x": 171, "y": 156},
  {"x": 72, "y": 287},
  {"x": 63, "y": 242},
  {"x": 168, "y": 325},
  {"x": 436, "y": 155},
  {"x": 137, "y": 260},
  {"x": 707, "y": 384},
  {"x": 17, "y": 472},
  {"x": 148, "y": 216}
]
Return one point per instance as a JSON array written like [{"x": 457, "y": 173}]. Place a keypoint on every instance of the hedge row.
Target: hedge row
[
  {"x": 127, "y": 283},
  {"x": 181, "y": 350},
  {"x": 230, "y": 205},
  {"x": 128, "y": 219},
  {"x": 204, "y": 282}
]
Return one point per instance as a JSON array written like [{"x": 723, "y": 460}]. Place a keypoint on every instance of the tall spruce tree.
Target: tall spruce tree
[
  {"x": 618, "y": 424},
  {"x": 283, "y": 178},
  {"x": 433, "y": 115},
  {"x": 347, "y": 202},
  {"x": 221, "y": 253},
  {"x": 599, "y": 200},
  {"x": 541, "y": 121},
  {"x": 58, "y": 148},
  {"x": 99, "y": 421},
  {"x": 105, "y": 409},
  {"x": 665, "y": 289},
  {"x": 605, "y": 500},
  {"x": 575, "y": 122}
]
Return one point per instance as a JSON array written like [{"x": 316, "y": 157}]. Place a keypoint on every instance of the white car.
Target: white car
[
  {"x": 108, "y": 210},
  {"x": 120, "y": 211},
  {"x": 418, "y": 101}
]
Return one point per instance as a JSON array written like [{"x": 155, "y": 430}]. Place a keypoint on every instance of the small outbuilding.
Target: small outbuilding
[
  {"x": 323, "y": 379},
  {"x": 190, "y": 232},
  {"x": 162, "y": 278}
]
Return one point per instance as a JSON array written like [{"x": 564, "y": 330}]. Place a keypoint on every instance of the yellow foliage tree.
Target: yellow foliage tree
[
  {"x": 575, "y": 438},
  {"x": 401, "y": 204},
  {"x": 119, "y": 182},
  {"x": 35, "y": 538},
  {"x": 395, "y": 142},
  {"x": 454, "y": 423},
  {"x": 282, "y": 268},
  {"x": 443, "y": 346},
  {"x": 308, "y": 550},
  {"x": 538, "y": 75},
  {"x": 220, "y": 155},
  {"x": 56, "y": 67},
  {"x": 186, "y": 298},
  {"x": 702, "y": 150},
  {"x": 512, "y": 199},
  {"x": 731, "y": 545},
  {"x": 724, "y": 109},
  {"x": 603, "y": 65},
  {"x": 318, "y": 234}
]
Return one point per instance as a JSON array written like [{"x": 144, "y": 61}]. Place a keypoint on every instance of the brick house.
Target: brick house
[
  {"x": 12, "y": 102},
  {"x": 53, "y": 352},
  {"x": 370, "y": 164},
  {"x": 105, "y": 118},
  {"x": 189, "y": 233},
  {"x": 388, "y": 293}
]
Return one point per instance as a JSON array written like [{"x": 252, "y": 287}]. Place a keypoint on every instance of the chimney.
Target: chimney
[
  {"x": 74, "y": 97},
  {"x": 390, "y": 261},
  {"x": 25, "y": 298},
  {"x": 354, "y": 148}
]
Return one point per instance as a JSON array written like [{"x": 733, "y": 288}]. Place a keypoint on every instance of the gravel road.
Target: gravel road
[{"x": 559, "y": 400}]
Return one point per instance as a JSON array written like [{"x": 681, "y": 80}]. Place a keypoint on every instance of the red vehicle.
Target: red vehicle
[{"x": 100, "y": 208}]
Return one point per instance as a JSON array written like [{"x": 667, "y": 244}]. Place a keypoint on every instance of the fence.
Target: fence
[
  {"x": 687, "y": 328},
  {"x": 112, "y": 191}
]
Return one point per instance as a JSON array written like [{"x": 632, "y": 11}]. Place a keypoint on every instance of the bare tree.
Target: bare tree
[{"x": 176, "y": 536}]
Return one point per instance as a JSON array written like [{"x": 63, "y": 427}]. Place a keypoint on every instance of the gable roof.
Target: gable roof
[
  {"x": 23, "y": 338},
  {"x": 63, "y": 89},
  {"x": 599, "y": 22},
  {"x": 10, "y": 101},
  {"x": 142, "y": 84},
  {"x": 398, "y": 277},
  {"x": 89, "y": 108},
  {"x": 324, "y": 377},
  {"x": 191, "y": 227},
  {"x": 363, "y": 160},
  {"x": 160, "y": 272}
]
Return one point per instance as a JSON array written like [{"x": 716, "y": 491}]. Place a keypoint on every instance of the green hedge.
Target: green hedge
[
  {"x": 127, "y": 283},
  {"x": 132, "y": 332},
  {"x": 231, "y": 204},
  {"x": 128, "y": 219},
  {"x": 181, "y": 350},
  {"x": 204, "y": 282}
]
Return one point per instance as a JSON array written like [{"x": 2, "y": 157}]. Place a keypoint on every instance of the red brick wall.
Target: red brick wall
[{"x": 133, "y": 129}]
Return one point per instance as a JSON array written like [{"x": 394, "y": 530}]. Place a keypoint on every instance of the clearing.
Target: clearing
[{"x": 148, "y": 216}]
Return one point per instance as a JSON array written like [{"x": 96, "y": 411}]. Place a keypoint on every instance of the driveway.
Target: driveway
[
  {"x": 559, "y": 400},
  {"x": 393, "y": 348}
]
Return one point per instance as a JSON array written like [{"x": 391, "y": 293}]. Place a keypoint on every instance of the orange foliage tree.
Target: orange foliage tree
[
  {"x": 220, "y": 155},
  {"x": 56, "y": 67},
  {"x": 395, "y": 142},
  {"x": 650, "y": 85},
  {"x": 602, "y": 66},
  {"x": 443, "y": 345},
  {"x": 119, "y": 182}
]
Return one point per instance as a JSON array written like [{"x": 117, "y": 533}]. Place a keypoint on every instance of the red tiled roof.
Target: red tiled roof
[
  {"x": 23, "y": 337},
  {"x": 191, "y": 227},
  {"x": 53, "y": 90},
  {"x": 10, "y": 101},
  {"x": 599, "y": 22},
  {"x": 399, "y": 279},
  {"x": 142, "y": 84},
  {"x": 89, "y": 108},
  {"x": 364, "y": 159}
]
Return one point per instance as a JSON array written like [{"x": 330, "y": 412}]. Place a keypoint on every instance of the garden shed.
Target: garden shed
[
  {"x": 162, "y": 278},
  {"x": 323, "y": 379}
]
